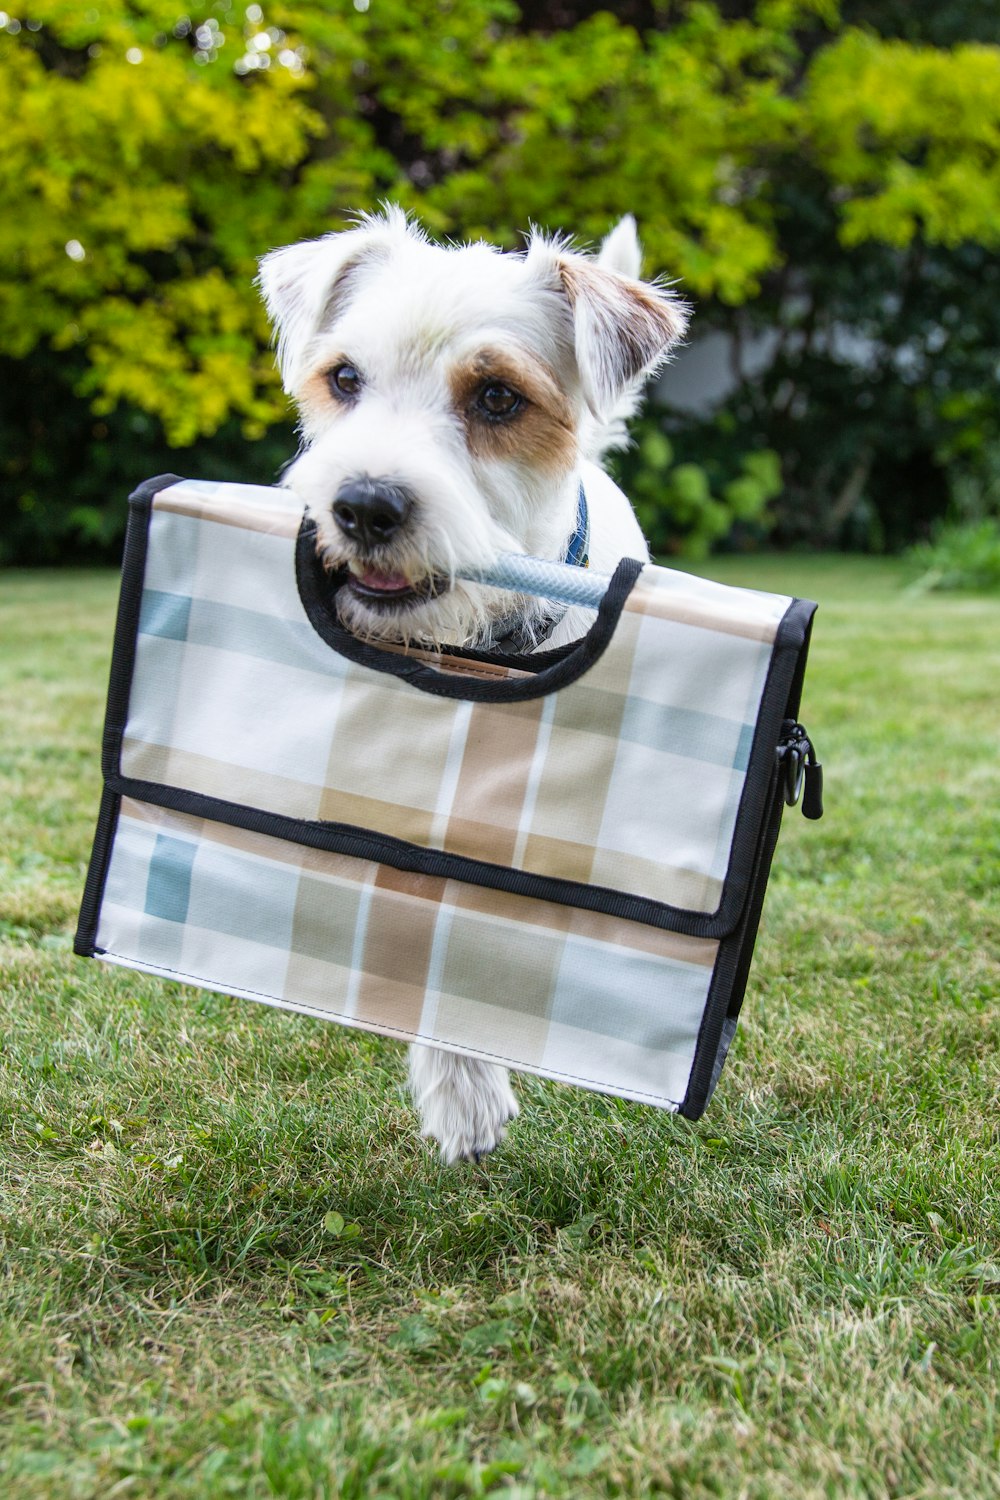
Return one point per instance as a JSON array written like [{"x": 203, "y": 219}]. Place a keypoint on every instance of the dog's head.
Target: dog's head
[{"x": 446, "y": 397}]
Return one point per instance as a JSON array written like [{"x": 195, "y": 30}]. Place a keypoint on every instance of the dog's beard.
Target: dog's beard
[
  {"x": 452, "y": 613},
  {"x": 411, "y": 592}
]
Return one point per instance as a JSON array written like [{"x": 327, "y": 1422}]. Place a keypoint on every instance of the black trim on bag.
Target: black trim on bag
[
  {"x": 317, "y": 590},
  {"x": 794, "y": 703},
  {"x": 732, "y": 969},
  {"x": 140, "y": 504},
  {"x": 144, "y": 494},
  {"x": 85, "y": 940},
  {"x": 789, "y": 645},
  {"x": 359, "y": 843},
  {"x": 116, "y": 709}
]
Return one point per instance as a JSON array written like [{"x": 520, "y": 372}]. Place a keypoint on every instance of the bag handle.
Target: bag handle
[
  {"x": 556, "y": 669},
  {"x": 536, "y": 575}
]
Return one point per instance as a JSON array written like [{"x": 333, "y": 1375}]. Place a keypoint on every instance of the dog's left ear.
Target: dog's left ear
[{"x": 623, "y": 328}]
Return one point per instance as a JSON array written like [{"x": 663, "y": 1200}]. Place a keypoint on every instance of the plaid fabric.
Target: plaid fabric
[
  {"x": 628, "y": 778},
  {"x": 576, "y": 995}
]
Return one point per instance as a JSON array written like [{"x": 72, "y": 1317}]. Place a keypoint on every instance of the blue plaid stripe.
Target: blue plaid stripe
[
  {"x": 165, "y": 614},
  {"x": 168, "y": 884}
]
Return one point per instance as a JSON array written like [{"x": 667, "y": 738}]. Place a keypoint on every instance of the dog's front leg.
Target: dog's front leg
[{"x": 465, "y": 1105}]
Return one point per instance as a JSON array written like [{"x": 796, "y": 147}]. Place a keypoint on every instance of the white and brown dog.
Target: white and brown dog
[{"x": 453, "y": 403}]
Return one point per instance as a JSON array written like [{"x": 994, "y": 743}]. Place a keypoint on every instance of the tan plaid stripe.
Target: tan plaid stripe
[
  {"x": 493, "y": 780},
  {"x": 718, "y": 614},
  {"x": 247, "y": 507},
  {"x": 397, "y": 949},
  {"x": 215, "y": 778}
]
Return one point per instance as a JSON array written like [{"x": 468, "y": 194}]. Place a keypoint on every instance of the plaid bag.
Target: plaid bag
[{"x": 555, "y": 861}]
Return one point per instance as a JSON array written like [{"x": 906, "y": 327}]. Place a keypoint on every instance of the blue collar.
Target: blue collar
[
  {"x": 512, "y": 635},
  {"x": 578, "y": 551}
]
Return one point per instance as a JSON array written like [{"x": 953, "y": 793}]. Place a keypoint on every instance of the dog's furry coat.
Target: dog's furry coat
[{"x": 452, "y": 400}]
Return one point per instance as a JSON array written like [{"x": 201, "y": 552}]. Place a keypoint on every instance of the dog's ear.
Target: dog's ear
[
  {"x": 623, "y": 328},
  {"x": 302, "y": 284},
  {"x": 620, "y": 250}
]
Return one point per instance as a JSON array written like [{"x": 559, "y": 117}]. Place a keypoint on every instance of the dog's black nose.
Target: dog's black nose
[{"x": 371, "y": 511}]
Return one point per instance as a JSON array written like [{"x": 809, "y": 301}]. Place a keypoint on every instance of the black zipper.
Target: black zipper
[{"x": 800, "y": 772}]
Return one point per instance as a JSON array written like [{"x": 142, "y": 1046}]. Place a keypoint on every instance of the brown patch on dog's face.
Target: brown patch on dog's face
[{"x": 539, "y": 429}]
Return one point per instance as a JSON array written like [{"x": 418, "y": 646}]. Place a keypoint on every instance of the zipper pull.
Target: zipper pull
[
  {"x": 802, "y": 772},
  {"x": 812, "y": 797}
]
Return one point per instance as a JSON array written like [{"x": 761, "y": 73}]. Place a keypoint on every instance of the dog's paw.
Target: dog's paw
[
  {"x": 465, "y": 1105},
  {"x": 473, "y": 1138}
]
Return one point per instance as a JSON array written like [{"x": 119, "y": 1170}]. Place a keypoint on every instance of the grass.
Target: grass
[{"x": 231, "y": 1268}]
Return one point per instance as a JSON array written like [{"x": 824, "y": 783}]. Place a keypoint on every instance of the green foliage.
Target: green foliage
[
  {"x": 910, "y": 134},
  {"x": 792, "y": 171},
  {"x": 884, "y": 311},
  {"x": 962, "y": 556},
  {"x": 586, "y": 124},
  {"x": 122, "y": 161},
  {"x": 687, "y": 508},
  {"x": 66, "y": 473}
]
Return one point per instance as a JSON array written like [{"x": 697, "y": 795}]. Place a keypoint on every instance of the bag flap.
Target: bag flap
[{"x": 628, "y": 774}]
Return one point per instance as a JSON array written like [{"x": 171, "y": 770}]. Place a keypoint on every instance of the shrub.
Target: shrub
[
  {"x": 687, "y": 508},
  {"x": 962, "y": 555}
]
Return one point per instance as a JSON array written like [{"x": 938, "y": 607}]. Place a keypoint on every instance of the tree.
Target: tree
[
  {"x": 149, "y": 160},
  {"x": 880, "y": 397}
]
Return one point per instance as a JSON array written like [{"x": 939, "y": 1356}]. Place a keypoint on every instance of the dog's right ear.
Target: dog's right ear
[{"x": 302, "y": 284}]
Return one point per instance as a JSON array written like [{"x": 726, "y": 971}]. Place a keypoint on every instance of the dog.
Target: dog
[{"x": 454, "y": 403}]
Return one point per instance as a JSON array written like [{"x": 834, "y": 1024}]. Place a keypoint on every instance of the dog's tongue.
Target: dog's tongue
[{"x": 387, "y": 583}]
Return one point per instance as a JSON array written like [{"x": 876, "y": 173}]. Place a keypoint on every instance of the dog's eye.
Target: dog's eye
[
  {"x": 344, "y": 381},
  {"x": 498, "y": 400}
]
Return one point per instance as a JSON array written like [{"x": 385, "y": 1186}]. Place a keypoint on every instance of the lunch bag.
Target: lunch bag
[{"x": 553, "y": 861}]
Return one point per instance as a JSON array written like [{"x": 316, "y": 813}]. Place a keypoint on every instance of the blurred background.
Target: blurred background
[{"x": 821, "y": 178}]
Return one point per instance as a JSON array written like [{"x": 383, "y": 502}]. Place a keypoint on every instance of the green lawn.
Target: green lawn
[{"x": 795, "y": 1297}]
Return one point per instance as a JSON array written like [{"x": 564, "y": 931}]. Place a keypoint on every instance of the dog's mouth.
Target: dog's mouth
[{"x": 387, "y": 590}]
